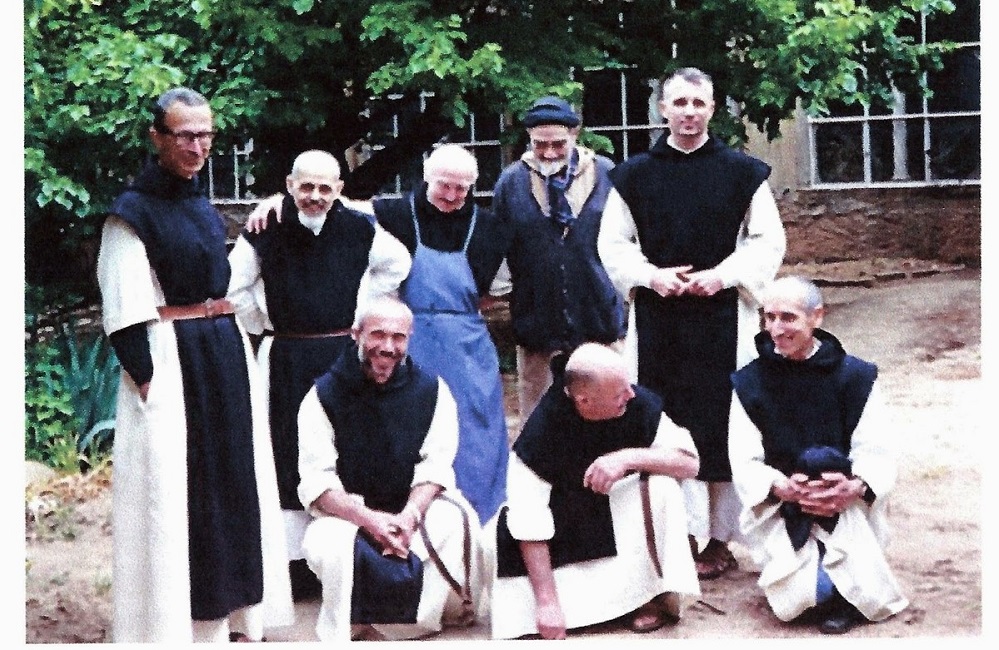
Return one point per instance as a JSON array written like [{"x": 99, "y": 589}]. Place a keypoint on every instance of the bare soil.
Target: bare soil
[{"x": 924, "y": 333}]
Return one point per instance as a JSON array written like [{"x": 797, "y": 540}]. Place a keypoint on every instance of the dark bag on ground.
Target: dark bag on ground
[{"x": 386, "y": 588}]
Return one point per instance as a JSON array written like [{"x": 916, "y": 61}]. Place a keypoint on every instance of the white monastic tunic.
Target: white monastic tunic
[
  {"x": 152, "y": 595},
  {"x": 600, "y": 590},
  {"x": 759, "y": 251},
  {"x": 854, "y": 557},
  {"x": 329, "y": 541}
]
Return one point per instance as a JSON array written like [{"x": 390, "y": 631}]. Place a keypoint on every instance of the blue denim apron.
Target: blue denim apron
[{"x": 450, "y": 339}]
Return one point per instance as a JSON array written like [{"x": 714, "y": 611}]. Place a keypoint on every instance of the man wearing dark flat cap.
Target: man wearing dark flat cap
[{"x": 560, "y": 294}]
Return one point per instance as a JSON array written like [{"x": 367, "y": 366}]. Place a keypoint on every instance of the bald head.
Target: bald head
[
  {"x": 382, "y": 308},
  {"x": 591, "y": 361},
  {"x": 314, "y": 182},
  {"x": 315, "y": 162},
  {"x": 596, "y": 378}
]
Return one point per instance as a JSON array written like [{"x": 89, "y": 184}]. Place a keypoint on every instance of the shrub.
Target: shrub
[
  {"x": 49, "y": 424},
  {"x": 71, "y": 385}
]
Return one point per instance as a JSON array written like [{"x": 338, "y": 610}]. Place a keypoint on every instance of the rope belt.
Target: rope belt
[
  {"x": 464, "y": 592},
  {"x": 210, "y": 308},
  {"x": 650, "y": 531}
]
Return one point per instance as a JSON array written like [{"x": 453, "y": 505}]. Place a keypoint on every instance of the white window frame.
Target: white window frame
[{"x": 901, "y": 176}]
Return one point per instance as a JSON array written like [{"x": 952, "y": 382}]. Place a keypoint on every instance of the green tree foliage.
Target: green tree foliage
[{"x": 303, "y": 73}]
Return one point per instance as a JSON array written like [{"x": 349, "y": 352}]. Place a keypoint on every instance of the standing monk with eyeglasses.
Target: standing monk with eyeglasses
[
  {"x": 198, "y": 549},
  {"x": 298, "y": 282}
]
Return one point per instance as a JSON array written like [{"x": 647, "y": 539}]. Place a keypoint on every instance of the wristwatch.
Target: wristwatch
[{"x": 866, "y": 495}]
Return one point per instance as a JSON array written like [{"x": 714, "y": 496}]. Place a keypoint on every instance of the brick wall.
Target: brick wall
[{"x": 932, "y": 223}]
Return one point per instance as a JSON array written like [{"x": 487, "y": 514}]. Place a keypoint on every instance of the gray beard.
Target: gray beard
[{"x": 549, "y": 169}]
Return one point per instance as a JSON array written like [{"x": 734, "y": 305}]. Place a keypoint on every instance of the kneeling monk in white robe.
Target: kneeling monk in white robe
[
  {"x": 813, "y": 460},
  {"x": 393, "y": 541},
  {"x": 578, "y": 542}
]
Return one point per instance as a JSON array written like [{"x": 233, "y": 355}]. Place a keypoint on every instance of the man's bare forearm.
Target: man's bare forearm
[{"x": 538, "y": 562}]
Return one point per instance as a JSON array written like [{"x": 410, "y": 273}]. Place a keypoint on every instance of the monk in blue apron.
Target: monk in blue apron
[{"x": 450, "y": 339}]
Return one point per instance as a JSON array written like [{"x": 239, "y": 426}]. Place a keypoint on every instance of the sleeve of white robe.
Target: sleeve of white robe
[
  {"x": 436, "y": 464},
  {"x": 502, "y": 283},
  {"x": 759, "y": 247},
  {"x": 873, "y": 449},
  {"x": 528, "y": 516},
  {"x": 751, "y": 476},
  {"x": 669, "y": 435},
  {"x": 619, "y": 248},
  {"x": 246, "y": 288},
  {"x": 129, "y": 290},
  {"x": 388, "y": 265},
  {"x": 317, "y": 453}
]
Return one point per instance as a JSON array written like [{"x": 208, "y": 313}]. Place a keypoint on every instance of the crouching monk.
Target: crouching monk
[
  {"x": 587, "y": 536},
  {"x": 813, "y": 462},
  {"x": 391, "y": 541}
]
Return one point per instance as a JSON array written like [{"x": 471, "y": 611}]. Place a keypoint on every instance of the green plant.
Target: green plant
[
  {"x": 92, "y": 381},
  {"x": 71, "y": 385},
  {"x": 48, "y": 408}
]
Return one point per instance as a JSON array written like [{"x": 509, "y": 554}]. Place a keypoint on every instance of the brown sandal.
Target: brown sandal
[
  {"x": 714, "y": 561},
  {"x": 652, "y": 616}
]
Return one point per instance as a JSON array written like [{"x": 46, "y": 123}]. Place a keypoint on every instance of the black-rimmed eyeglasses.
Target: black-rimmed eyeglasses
[{"x": 204, "y": 138}]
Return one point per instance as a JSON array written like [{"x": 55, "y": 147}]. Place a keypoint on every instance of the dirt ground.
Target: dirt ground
[{"x": 924, "y": 333}]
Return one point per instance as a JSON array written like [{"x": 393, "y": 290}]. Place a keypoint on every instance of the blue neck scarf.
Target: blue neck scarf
[{"x": 557, "y": 186}]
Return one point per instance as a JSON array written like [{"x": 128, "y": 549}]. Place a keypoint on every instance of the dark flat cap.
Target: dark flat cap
[{"x": 551, "y": 110}]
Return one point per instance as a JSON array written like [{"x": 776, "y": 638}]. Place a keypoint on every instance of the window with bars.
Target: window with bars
[
  {"x": 620, "y": 106},
  {"x": 230, "y": 176},
  {"x": 914, "y": 141}
]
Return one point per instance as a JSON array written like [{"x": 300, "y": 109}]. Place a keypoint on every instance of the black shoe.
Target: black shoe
[
  {"x": 840, "y": 617},
  {"x": 838, "y": 624}
]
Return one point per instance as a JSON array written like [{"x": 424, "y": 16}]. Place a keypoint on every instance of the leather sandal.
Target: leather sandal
[
  {"x": 714, "y": 561},
  {"x": 647, "y": 618}
]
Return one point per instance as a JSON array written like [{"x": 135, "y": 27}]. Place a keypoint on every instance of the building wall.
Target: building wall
[
  {"x": 932, "y": 223},
  {"x": 787, "y": 156}
]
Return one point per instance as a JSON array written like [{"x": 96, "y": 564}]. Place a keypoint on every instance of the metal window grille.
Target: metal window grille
[{"x": 917, "y": 141}]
